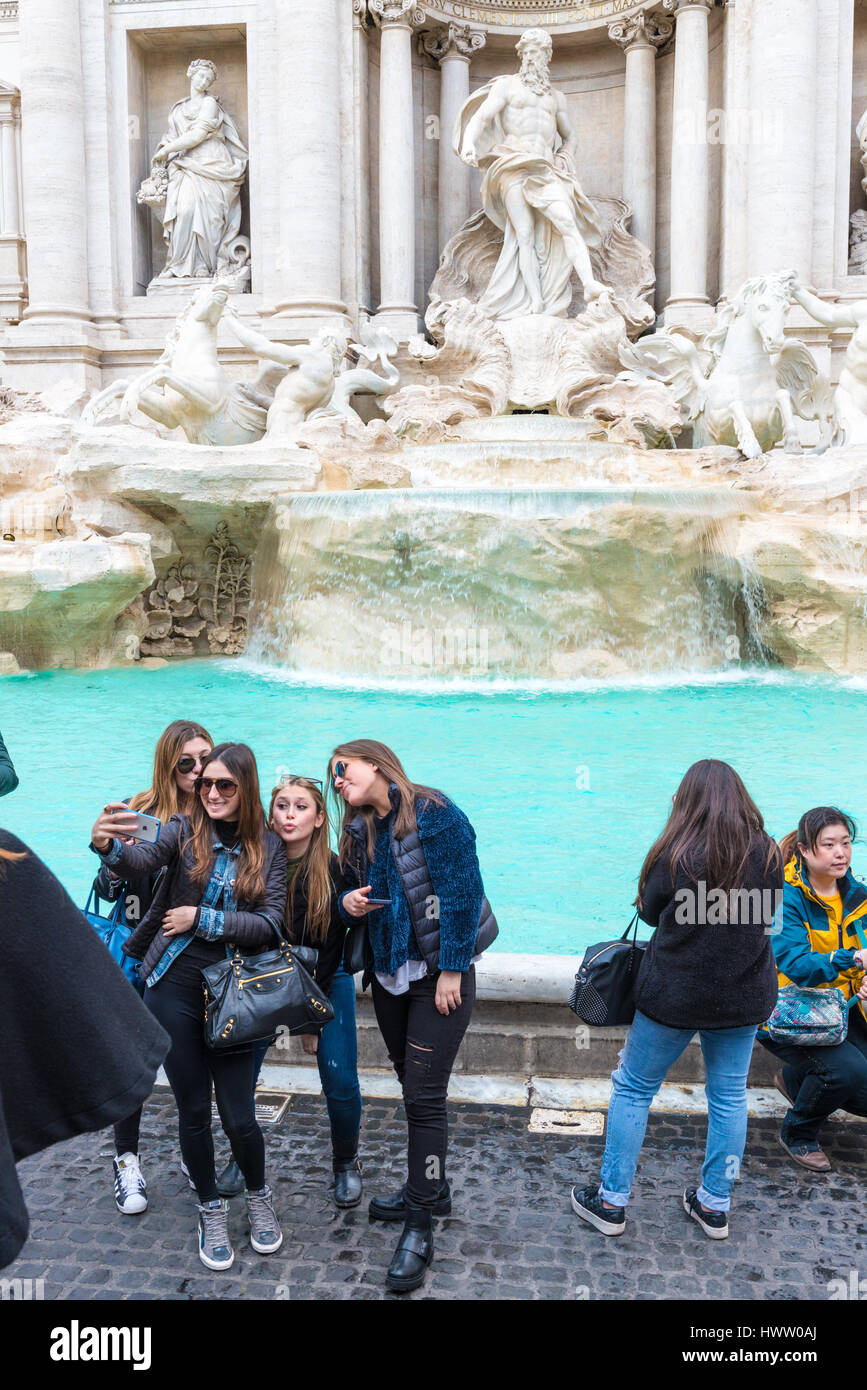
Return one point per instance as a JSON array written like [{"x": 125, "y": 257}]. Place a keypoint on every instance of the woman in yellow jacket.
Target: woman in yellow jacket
[{"x": 818, "y": 947}]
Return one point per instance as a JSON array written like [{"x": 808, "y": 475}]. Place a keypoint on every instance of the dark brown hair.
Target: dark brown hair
[
  {"x": 713, "y": 826},
  {"x": 388, "y": 763},
  {"x": 250, "y": 880},
  {"x": 810, "y": 827}
]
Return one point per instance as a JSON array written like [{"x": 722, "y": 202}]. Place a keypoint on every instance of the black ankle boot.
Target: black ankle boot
[
  {"x": 231, "y": 1181},
  {"x": 414, "y": 1252},
  {"x": 395, "y": 1208},
  {"x": 347, "y": 1181}
]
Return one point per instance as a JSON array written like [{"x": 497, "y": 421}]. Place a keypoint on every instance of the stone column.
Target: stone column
[
  {"x": 640, "y": 37},
  {"x": 397, "y": 19},
  {"x": 53, "y": 159},
  {"x": 361, "y": 75},
  {"x": 784, "y": 72},
  {"x": 688, "y": 301},
  {"x": 308, "y": 137},
  {"x": 13, "y": 263},
  {"x": 452, "y": 46}
]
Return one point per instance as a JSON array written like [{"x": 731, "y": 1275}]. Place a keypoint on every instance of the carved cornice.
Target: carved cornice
[
  {"x": 650, "y": 28},
  {"x": 404, "y": 13},
  {"x": 451, "y": 39},
  {"x": 9, "y": 9}
]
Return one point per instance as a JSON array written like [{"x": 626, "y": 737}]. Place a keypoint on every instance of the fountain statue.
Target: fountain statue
[
  {"x": 186, "y": 388},
  {"x": 758, "y": 380},
  {"x": 541, "y": 289},
  {"x": 850, "y": 395},
  {"x": 516, "y": 129},
  {"x": 194, "y": 187}
]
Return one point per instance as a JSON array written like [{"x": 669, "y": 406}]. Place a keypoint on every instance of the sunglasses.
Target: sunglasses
[
  {"x": 299, "y": 777},
  {"x": 339, "y": 771},
  {"x": 186, "y": 764},
  {"x": 223, "y": 784}
]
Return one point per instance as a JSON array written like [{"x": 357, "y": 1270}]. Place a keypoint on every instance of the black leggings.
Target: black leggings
[
  {"x": 190, "y": 1067},
  {"x": 423, "y": 1044},
  {"x": 126, "y": 1134}
]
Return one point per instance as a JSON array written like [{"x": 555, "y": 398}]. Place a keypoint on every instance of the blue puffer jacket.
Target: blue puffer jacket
[{"x": 449, "y": 844}]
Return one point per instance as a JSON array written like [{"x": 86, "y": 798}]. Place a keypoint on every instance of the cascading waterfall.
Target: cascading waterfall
[{"x": 522, "y": 582}]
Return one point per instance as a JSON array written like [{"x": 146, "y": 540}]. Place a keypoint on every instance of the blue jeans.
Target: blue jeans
[
  {"x": 651, "y": 1050},
  {"x": 337, "y": 1059}
]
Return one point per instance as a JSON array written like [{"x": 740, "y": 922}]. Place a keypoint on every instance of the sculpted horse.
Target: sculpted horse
[
  {"x": 186, "y": 386},
  {"x": 759, "y": 380}
]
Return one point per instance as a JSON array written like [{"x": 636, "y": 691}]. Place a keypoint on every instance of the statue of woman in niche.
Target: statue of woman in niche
[{"x": 195, "y": 187}]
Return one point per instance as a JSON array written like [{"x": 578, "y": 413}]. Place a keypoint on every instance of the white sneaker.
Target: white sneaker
[{"x": 130, "y": 1188}]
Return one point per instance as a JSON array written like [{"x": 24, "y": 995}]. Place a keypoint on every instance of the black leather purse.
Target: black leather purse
[
  {"x": 604, "y": 990},
  {"x": 250, "y": 998}
]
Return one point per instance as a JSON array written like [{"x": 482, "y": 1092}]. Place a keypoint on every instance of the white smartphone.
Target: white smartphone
[{"x": 147, "y": 828}]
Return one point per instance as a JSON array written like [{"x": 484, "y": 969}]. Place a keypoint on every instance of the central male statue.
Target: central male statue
[{"x": 515, "y": 129}]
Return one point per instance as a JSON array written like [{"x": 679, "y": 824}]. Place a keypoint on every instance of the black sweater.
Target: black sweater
[
  {"x": 80, "y": 1051},
  {"x": 331, "y": 949},
  {"x": 699, "y": 974}
]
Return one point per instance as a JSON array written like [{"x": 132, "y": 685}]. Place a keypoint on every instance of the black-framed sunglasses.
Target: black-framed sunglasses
[
  {"x": 187, "y": 763},
  {"x": 225, "y": 786},
  {"x": 299, "y": 777}
]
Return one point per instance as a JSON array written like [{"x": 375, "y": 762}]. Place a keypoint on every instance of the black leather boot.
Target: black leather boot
[
  {"x": 231, "y": 1181},
  {"x": 414, "y": 1252},
  {"x": 347, "y": 1181},
  {"x": 395, "y": 1208}
]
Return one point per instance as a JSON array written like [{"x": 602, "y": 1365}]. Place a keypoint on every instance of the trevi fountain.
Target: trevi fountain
[{"x": 460, "y": 349}]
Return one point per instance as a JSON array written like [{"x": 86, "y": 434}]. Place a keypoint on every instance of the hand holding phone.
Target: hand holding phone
[{"x": 358, "y": 904}]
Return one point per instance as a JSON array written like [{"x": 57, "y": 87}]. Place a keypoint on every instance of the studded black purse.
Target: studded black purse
[
  {"x": 248, "y": 999},
  {"x": 604, "y": 990}
]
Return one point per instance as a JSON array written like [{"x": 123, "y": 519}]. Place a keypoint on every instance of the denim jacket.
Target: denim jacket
[{"x": 247, "y": 925}]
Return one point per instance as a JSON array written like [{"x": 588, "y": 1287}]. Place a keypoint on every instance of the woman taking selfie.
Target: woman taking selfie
[
  {"x": 299, "y": 816},
  {"x": 225, "y": 887},
  {"x": 177, "y": 763},
  {"x": 818, "y": 948},
  {"x": 708, "y": 969},
  {"x": 413, "y": 854}
]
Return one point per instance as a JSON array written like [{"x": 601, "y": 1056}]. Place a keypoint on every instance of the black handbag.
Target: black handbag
[
  {"x": 250, "y": 998},
  {"x": 604, "y": 990}
]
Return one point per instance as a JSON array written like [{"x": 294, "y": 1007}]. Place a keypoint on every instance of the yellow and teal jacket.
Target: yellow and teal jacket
[{"x": 811, "y": 949}]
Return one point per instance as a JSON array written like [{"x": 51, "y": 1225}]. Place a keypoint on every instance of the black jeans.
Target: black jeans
[
  {"x": 126, "y": 1133},
  {"x": 422, "y": 1044},
  {"x": 823, "y": 1079},
  {"x": 190, "y": 1067}
]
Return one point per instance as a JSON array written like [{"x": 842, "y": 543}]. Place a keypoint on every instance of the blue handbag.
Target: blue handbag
[{"x": 113, "y": 932}]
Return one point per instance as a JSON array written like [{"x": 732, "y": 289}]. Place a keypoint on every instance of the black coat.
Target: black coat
[
  {"x": 80, "y": 1051},
  {"x": 703, "y": 974},
  {"x": 253, "y": 924}
]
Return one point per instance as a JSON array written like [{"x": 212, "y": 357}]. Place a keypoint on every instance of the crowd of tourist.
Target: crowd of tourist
[{"x": 401, "y": 902}]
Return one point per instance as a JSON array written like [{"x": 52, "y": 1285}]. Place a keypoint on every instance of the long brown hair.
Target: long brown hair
[
  {"x": 810, "y": 827},
  {"x": 316, "y": 865},
  {"x": 388, "y": 763},
  {"x": 250, "y": 880},
  {"x": 713, "y": 826},
  {"x": 163, "y": 797}
]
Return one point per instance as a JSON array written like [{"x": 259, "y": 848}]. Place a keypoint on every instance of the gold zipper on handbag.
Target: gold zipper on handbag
[{"x": 254, "y": 979}]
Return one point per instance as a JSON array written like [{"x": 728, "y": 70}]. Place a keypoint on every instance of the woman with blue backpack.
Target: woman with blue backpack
[
  {"x": 177, "y": 763},
  {"x": 820, "y": 947}
]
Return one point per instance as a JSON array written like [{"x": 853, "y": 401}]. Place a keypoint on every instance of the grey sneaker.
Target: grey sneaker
[
  {"x": 215, "y": 1248},
  {"x": 265, "y": 1233}
]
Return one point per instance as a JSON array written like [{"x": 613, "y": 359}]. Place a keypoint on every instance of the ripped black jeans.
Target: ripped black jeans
[{"x": 422, "y": 1044}]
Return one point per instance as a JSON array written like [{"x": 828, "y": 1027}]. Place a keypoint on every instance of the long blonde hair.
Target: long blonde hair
[
  {"x": 163, "y": 797},
  {"x": 388, "y": 763},
  {"x": 316, "y": 864},
  {"x": 250, "y": 879}
]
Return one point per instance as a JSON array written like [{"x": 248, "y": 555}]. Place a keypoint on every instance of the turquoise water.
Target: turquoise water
[{"x": 566, "y": 787}]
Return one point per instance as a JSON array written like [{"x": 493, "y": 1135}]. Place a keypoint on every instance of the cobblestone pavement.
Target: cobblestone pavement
[{"x": 512, "y": 1234}]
